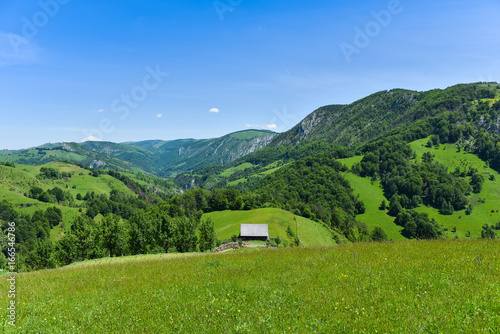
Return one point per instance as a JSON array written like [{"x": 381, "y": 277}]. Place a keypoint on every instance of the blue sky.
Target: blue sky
[{"x": 134, "y": 70}]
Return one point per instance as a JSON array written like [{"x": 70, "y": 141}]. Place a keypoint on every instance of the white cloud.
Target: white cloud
[
  {"x": 270, "y": 126},
  {"x": 263, "y": 126},
  {"x": 159, "y": 115},
  {"x": 90, "y": 138},
  {"x": 98, "y": 111},
  {"x": 215, "y": 110}
]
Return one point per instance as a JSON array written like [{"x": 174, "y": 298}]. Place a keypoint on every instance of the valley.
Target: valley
[
  {"x": 248, "y": 167},
  {"x": 153, "y": 157},
  {"x": 339, "y": 201}
]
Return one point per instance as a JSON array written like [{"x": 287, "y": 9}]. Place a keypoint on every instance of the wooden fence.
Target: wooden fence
[{"x": 234, "y": 245}]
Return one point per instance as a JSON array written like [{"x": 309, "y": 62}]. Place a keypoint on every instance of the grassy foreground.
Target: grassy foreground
[{"x": 398, "y": 287}]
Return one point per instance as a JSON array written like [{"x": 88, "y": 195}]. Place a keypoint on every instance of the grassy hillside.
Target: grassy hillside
[
  {"x": 486, "y": 203},
  {"x": 15, "y": 183},
  {"x": 40, "y": 156},
  {"x": 255, "y": 174},
  {"x": 81, "y": 153},
  {"x": 400, "y": 287},
  {"x": 250, "y": 134},
  {"x": 311, "y": 233},
  {"x": 230, "y": 171},
  {"x": 22, "y": 178},
  {"x": 372, "y": 195}
]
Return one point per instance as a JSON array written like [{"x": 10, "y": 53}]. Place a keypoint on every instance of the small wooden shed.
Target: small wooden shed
[{"x": 254, "y": 232}]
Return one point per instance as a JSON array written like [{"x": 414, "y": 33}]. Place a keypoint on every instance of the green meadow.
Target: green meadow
[
  {"x": 486, "y": 203},
  {"x": 16, "y": 182},
  {"x": 349, "y": 162},
  {"x": 311, "y": 233},
  {"x": 449, "y": 286},
  {"x": 269, "y": 169},
  {"x": 230, "y": 171},
  {"x": 372, "y": 195},
  {"x": 22, "y": 178},
  {"x": 237, "y": 182},
  {"x": 56, "y": 155}
]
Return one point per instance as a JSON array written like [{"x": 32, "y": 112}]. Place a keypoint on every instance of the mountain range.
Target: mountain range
[
  {"x": 157, "y": 157},
  {"x": 337, "y": 125},
  {"x": 397, "y": 164}
]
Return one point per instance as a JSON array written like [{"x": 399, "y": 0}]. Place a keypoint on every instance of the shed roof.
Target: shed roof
[{"x": 254, "y": 230}]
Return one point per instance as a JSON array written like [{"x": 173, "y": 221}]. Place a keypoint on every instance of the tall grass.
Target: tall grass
[{"x": 399, "y": 287}]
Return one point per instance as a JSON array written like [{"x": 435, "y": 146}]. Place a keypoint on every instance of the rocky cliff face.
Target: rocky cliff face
[
  {"x": 218, "y": 151},
  {"x": 251, "y": 146},
  {"x": 173, "y": 157},
  {"x": 350, "y": 124},
  {"x": 97, "y": 164},
  {"x": 306, "y": 128}
]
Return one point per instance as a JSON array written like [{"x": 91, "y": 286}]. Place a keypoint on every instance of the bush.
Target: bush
[
  {"x": 8, "y": 164},
  {"x": 395, "y": 207},
  {"x": 488, "y": 232},
  {"x": 378, "y": 234},
  {"x": 3, "y": 261},
  {"x": 277, "y": 241},
  {"x": 477, "y": 182},
  {"x": 446, "y": 208},
  {"x": 35, "y": 192},
  {"x": 46, "y": 197},
  {"x": 50, "y": 173},
  {"x": 435, "y": 140},
  {"x": 296, "y": 241},
  {"x": 418, "y": 225}
]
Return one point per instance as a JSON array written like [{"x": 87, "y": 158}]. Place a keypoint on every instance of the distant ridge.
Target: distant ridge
[{"x": 158, "y": 157}]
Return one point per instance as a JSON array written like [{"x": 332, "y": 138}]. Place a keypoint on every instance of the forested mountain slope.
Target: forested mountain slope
[
  {"x": 376, "y": 114},
  {"x": 458, "y": 113}
]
